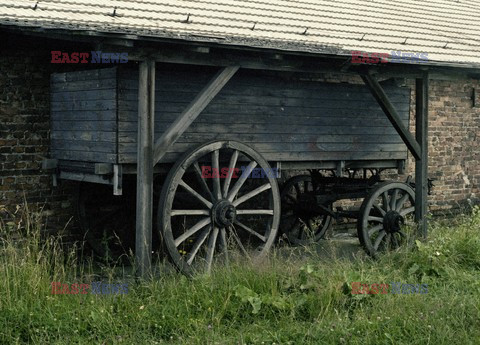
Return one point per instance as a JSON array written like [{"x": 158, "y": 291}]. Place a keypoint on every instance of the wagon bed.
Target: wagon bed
[{"x": 285, "y": 118}]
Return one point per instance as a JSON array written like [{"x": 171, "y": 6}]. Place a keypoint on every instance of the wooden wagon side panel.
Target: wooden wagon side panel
[
  {"x": 84, "y": 116},
  {"x": 285, "y": 120}
]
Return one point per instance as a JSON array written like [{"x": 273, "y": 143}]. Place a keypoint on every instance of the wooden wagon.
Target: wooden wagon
[{"x": 244, "y": 124}]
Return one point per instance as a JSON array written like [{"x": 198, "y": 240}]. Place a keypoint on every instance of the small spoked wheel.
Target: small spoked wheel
[
  {"x": 221, "y": 199},
  {"x": 384, "y": 213},
  {"x": 302, "y": 222}
]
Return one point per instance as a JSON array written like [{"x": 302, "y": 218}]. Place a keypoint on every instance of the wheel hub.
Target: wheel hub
[
  {"x": 224, "y": 213},
  {"x": 393, "y": 221}
]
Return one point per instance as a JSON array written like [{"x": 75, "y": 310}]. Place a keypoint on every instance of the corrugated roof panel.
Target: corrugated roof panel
[{"x": 448, "y": 31}]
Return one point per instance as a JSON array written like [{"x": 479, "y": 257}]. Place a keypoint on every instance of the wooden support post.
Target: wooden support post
[
  {"x": 421, "y": 164},
  {"x": 144, "y": 211},
  {"x": 194, "y": 109},
  {"x": 389, "y": 110}
]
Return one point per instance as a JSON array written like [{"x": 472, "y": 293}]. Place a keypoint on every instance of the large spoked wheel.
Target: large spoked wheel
[
  {"x": 211, "y": 209},
  {"x": 300, "y": 222},
  {"x": 383, "y": 216}
]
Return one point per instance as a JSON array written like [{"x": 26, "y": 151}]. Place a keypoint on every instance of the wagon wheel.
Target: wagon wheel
[
  {"x": 299, "y": 224},
  {"x": 204, "y": 219},
  {"x": 388, "y": 207},
  {"x": 108, "y": 221}
]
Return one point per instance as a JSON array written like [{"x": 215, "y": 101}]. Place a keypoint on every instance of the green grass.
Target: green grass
[{"x": 287, "y": 300}]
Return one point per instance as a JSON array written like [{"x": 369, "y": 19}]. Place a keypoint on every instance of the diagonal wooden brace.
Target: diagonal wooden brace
[
  {"x": 389, "y": 110},
  {"x": 194, "y": 109}
]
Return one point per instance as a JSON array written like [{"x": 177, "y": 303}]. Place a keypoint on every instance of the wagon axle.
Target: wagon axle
[
  {"x": 223, "y": 213},
  {"x": 393, "y": 222}
]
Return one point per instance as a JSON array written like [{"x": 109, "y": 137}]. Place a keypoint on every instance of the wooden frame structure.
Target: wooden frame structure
[{"x": 149, "y": 154}]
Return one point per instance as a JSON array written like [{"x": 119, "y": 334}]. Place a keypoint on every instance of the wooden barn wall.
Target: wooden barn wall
[
  {"x": 284, "y": 118},
  {"x": 83, "y": 112}
]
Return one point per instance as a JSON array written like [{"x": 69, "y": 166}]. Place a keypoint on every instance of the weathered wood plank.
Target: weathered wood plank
[
  {"x": 84, "y": 95},
  {"x": 192, "y": 111},
  {"x": 83, "y": 105},
  {"x": 94, "y": 74},
  {"x": 84, "y": 156},
  {"x": 421, "y": 163},
  {"x": 103, "y": 126},
  {"x": 292, "y": 156},
  {"x": 392, "y": 114},
  {"x": 183, "y": 91},
  {"x": 266, "y": 101},
  {"x": 288, "y": 146},
  {"x": 82, "y": 115},
  {"x": 91, "y": 84},
  {"x": 258, "y": 111},
  {"x": 269, "y": 128},
  {"x": 145, "y": 164},
  {"x": 187, "y": 136},
  {"x": 74, "y": 135},
  {"x": 84, "y": 145}
]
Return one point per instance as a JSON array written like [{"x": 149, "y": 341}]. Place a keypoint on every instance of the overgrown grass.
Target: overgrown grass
[{"x": 287, "y": 300}]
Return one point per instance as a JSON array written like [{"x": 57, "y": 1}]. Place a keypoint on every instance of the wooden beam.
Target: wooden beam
[
  {"x": 421, "y": 164},
  {"x": 389, "y": 110},
  {"x": 194, "y": 109},
  {"x": 144, "y": 207}
]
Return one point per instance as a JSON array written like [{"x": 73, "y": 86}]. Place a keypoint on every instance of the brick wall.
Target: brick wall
[
  {"x": 24, "y": 130},
  {"x": 454, "y": 144}
]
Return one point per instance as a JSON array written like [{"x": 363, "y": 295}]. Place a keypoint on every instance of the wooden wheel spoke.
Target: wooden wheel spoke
[
  {"x": 386, "y": 206},
  {"x": 251, "y": 231},
  {"x": 212, "y": 241},
  {"x": 199, "y": 225},
  {"x": 259, "y": 212},
  {"x": 251, "y": 194},
  {"x": 393, "y": 200},
  {"x": 297, "y": 189},
  {"x": 406, "y": 211},
  {"x": 201, "y": 180},
  {"x": 217, "y": 192},
  {"x": 231, "y": 166},
  {"x": 233, "y": 193},
  {"x": 394, "y": 241},
  {"x": 375, "y": 229},
  {"x": 291, "y": 198},
  {"x": 223, "y": 239},
  {"x": 234, "y": 234},
  {"x": 198, "y": 243},
  {"x": 388, "y": 239},
  {"x": 190, "y": 213},
  {"x": 375, "y": 219},
  {"x": 401, "y": 202},
  {"x": 379, "y": 239},
  {"x": 288, "y": 213},
  {"x": 195, "y": 194},
  {"x": 379, "y": 209}
]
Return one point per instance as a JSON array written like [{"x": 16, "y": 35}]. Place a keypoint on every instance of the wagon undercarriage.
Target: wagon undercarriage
[{"x": 203, "y": 218}]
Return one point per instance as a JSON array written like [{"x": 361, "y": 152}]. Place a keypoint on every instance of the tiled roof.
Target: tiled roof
[{"x": 448, "y": 30}]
